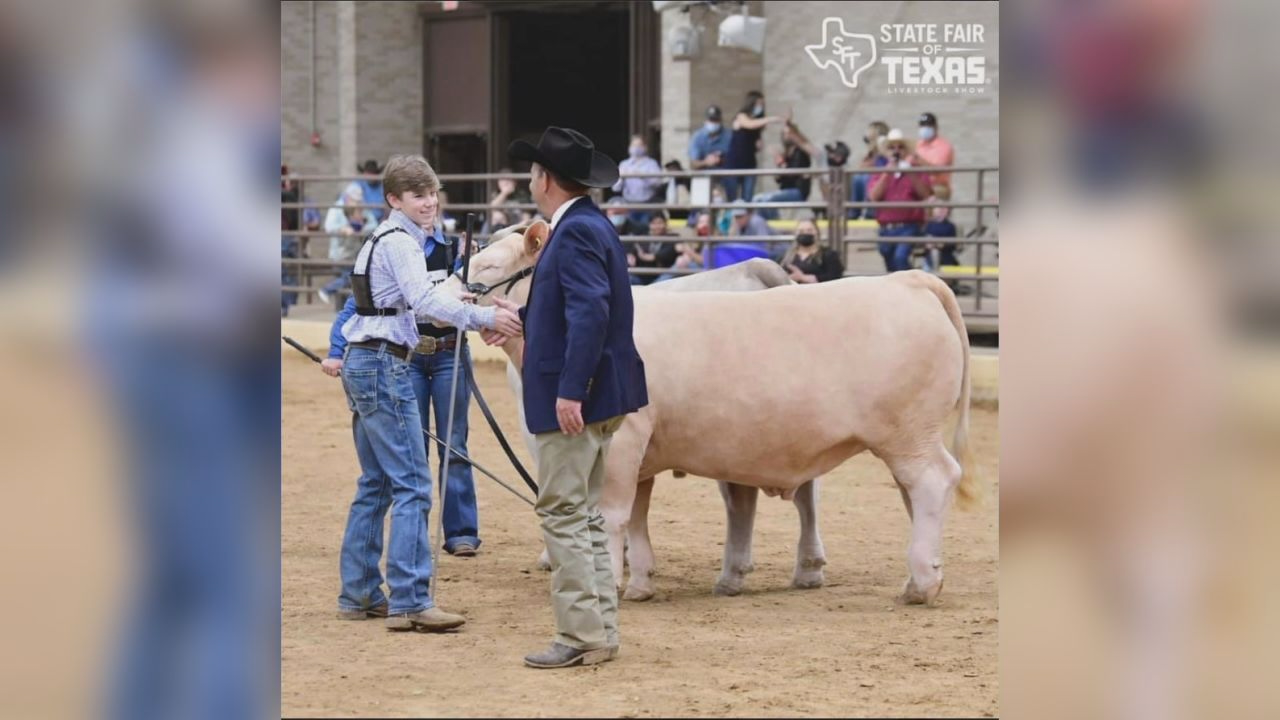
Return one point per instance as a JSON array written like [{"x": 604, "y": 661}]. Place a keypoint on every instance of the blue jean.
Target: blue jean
[
  {"x": 736, "y": 186},
  {"x": 783, "y": 195},
  {"x": 858, "y": 193},
  {"x": 432, "y": 377},
  {"x": 288, "y": 249},
  {"x": 897, "y": 256},
  {"x": 203, "y": 495},
  {"x": 339, "y": 282},
  {"x": 673, "y": 276},
  {"x": 394, "y": 474}
]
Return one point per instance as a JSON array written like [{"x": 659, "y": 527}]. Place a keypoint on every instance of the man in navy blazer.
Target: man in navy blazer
[{"x": 581, "y": 375}]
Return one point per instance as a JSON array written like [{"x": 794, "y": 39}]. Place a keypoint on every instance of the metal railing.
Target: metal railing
[{"x": 835, "y": 206}]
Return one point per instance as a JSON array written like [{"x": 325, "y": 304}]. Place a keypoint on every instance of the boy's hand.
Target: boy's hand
[{"x": 331, "y": 366}]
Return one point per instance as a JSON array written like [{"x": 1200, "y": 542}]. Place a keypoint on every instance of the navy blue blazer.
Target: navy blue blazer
[{"x": 578, "y": 324}]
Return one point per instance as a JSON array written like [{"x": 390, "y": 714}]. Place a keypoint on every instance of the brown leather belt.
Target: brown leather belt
[
  {"x": 395, "y": 349},
  {"x": 430, "y": 345}
]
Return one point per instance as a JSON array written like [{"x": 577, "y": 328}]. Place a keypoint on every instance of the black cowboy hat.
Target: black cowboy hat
[
  {"x": 370, "y": 167},
  {"x": 570, "y": 154}
]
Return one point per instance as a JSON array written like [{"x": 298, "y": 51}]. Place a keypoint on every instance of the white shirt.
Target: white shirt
[{"x": 560, "y": 211}]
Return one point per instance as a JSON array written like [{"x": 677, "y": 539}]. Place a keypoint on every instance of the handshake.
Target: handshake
[{"x": 506, "y": 323}]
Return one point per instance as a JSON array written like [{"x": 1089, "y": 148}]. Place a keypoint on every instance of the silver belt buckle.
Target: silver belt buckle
[{"x": 426, "y": 345}]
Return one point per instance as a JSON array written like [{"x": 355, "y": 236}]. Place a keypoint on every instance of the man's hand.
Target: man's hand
[
  {"x": 506, "y": 186},
  {"x": 331, "y": 366},
  {"x": 508, "y": 318},
  {"x": 569, "y": 413},
  {"x": 493, "y": 337},
  {"x": 713, "y": 159}
]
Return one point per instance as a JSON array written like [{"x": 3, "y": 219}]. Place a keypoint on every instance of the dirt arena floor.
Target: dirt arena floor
[{"x": 846, "y": 649}]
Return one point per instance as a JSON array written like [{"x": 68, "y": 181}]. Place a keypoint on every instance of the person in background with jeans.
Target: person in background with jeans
[
  {"x": 939, "y": 225},
  {"x": 709, "y": 146},
  {"x": 899, "y": 187},
  {"x": 347, "y": 224},
  {"x": 370, "y": 185},
  {"x": 872, "y": 157},
  {"x": 744, "y": 144},
  {"x": 791, "y": 188},
  {"x": 639, "y": 189}
]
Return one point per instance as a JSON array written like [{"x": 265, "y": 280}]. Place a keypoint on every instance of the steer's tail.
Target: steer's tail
[{"x": 968, "y": 493}]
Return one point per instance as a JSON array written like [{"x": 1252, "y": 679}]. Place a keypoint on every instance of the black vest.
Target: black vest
[{"x": 439, "y": 263}]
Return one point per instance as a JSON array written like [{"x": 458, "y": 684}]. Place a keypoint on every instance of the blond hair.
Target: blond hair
[{"x": 406, "y": 173}]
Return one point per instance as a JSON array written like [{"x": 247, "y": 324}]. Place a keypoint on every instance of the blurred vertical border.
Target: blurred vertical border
[{"x": 139, "y": 156}]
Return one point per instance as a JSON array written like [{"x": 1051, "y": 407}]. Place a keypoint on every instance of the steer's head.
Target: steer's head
[{"x": 502, "y": 268}]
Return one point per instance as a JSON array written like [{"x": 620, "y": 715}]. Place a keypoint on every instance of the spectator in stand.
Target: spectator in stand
[
  {"x": 872, "y": 157},
  {"x": 689, "y": 254},
  {"x": 347, "y": 225},
  {"x": 934, "y": 149},
  {"x": 709, "y": 146},
  {"x": 621, "y": 218},
  {"x": 791, "y": 188},
  {"x": 807, "y": 261},
  {"x": 506, "y": 197},
  {"x": 291, "y": 247},
  {"x": 654, "y": 253},
  {"x": 677, "y": 191},
  {"x": 893, "y": 186},
  {"x": 744, "y": 143},
  {"x": 833, "y": 154},
  {"x": 939, "y": 225},
  {"x": 288, "y": 194},
  {"x": 639, "y": 189},
  {"x": 288, "y": 243},
  {"x": 370, "y": 185},
  {"x": 747, "y": 223}
]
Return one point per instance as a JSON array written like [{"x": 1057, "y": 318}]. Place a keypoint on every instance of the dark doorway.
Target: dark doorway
[
  {"x": 459, "y": 153},
  {"x": 568, "y": 69}
]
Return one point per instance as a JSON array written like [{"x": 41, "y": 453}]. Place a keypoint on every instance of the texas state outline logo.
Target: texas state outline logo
[{"x": 849, "y": 53}]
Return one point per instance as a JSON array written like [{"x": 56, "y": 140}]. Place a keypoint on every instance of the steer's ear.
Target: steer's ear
[{"x": 535, "y": 237}]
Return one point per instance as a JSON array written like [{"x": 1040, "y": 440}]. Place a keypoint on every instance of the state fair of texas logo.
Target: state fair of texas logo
[
  {"x": 930, "y": 58},
  {"x": 849, "y": 53}
]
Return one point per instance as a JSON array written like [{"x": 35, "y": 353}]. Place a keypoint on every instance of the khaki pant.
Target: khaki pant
[{"x": 571, "y": 480}]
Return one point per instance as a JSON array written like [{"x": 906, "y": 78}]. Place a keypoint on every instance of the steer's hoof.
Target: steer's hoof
[
  {"x": 912, "y": 595},
  {"x": 807, "y": 581},
  {"x": 727, "y": 588},
  {"x": 636, "y": 594}
]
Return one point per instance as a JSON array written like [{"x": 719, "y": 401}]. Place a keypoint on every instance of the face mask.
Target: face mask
[
  {"x": 712, "y": 127},
  {"x": 618, "y": 220},
  {"x": 927, "y": 133},
  {"x": 758, "y": 110},
  {"x": 704, "y": 231},
  {"x": 636, "y": 151},
  {"x": 805, "y": 240}
]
